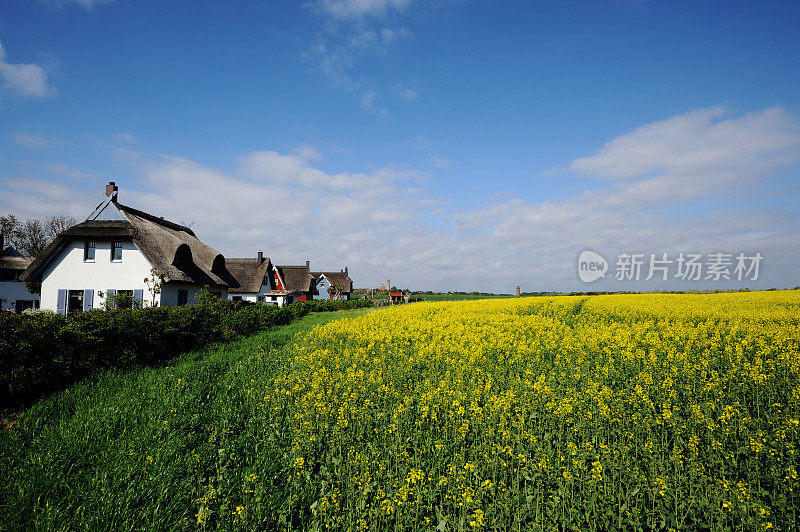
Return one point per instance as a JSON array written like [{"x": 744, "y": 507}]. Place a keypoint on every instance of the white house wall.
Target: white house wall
[
  {"x": 69, "y": 271},
  {"x": 253, "y": 296},
  {"x": 11, "y": 291},
  {"x": 169, "y": 293}
]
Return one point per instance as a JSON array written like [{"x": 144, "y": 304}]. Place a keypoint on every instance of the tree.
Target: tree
[
  {"x": 56, "y": 225},
  {"x": 33, "y": 235},
  {"x": 8, "y": 227},
  {"x": 334, "y": 291},
  {"x": 154, "y": 284}
]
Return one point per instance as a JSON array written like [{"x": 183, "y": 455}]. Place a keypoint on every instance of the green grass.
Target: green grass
[
  {"x": 460, "y": 297},
  {"x": 147, "y": 449}
]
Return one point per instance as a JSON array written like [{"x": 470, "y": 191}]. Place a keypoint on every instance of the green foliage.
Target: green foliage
[
  {"x": 34, "y": 287},
  {"x": 206, "y": 297},
  {"x": 43, "y": 353},
  {"x": 121, "y": 300},
  {"x": 140, "y": 448}
]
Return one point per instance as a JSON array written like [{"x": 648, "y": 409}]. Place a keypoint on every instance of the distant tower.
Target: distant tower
[{"x": 517, "y": 290}]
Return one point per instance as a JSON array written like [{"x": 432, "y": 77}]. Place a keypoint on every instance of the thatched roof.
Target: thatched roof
[
  {"x": 11, "y": 260},
  {"x": 171, "y": 248},
  {"x": 282, "y": 292},
  {"x": 339, "y": 279},
  {"x": 296, "y": 278},
  {"x": 248, "y": 273}
]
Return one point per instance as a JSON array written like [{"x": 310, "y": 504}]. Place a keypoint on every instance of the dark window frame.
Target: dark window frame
[
  {"x": 74, "y": 302},
  {"x": 89, "y": 248},
  {"x": 116, "y": 246}
]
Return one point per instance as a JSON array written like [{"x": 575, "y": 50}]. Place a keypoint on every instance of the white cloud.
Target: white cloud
[
  {"x": 695, "y": 144},
  {"x": 62, "y": 170},
  {"x": 426, "y": 144},
  {"x": 32, "y": 142},
  {"x": 441, "y": 162},
  {"x": 368, "y": 100},
  {"x": 423, "y": 142},
  {"x": 406, "y": 93},
  {"x": 38, "y": 198},
  {"x": 24, "y": 79},
  {"x": 88, "y": 5},
  {"x": 339, "y": 53},
  {"x": 347, "y": 9},
  {"x": 306, "y": 152},
  {"x": 383, "y": 223},
  {"x": 126, "y": 156},
  {"x": 126, "y": 138},
  {"x": 341, "y": 49}
]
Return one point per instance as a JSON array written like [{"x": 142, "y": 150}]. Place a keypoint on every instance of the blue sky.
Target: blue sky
[{"x": 455, "y": 145}]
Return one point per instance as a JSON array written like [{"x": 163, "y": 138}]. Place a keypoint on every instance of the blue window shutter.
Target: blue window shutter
[
  {"x": 88, "y": 299},
  {"x": 138, "y": 295},
  {"x": 110, "y": 302},
  {"x": 61, "y": 302}
]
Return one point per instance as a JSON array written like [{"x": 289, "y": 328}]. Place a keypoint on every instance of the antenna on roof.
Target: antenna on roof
[{"x": 187, "y": 225}]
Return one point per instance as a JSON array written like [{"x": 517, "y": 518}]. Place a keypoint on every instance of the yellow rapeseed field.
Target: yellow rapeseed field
[{"x": 622, "y": 411}]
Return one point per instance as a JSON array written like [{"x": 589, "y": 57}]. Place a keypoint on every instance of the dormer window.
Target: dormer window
[
  {"x": 116, "y": 251},
  {"x": 88, "y": 251}
]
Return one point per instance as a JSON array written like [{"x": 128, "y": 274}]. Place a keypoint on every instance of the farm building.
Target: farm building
[
  {"x": 14, "y": 295},
  {"x": 113, "y": 253},
  {"x": 259, "y": 281},
  {"x": 297, "y": 281},
  {"x": 343, "y": 285}
]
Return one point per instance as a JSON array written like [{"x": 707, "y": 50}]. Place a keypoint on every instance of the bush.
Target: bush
[{"x": 43, "y": 352}]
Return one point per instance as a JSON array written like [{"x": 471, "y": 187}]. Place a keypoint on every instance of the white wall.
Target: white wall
[
  {"x": 253, "y": 296},
  {"x": 250, "y": 296},
  {"x": 169, "y": 293},
  {"x": 13, "y": 290},
  {"x": 69, "y": 271}
]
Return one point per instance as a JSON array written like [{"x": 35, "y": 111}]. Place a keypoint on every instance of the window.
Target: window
[
  {"x": 7, "y": 274},
  {"x": 236, "y": 298},
  {"x": 75, "y": 302},
  {"x": 88, "y": 250},
  {"x": 116, "y": 251},
  {"x": 183, "y": 297},
  {"x": 261, "y": 299},
  {"x": 123, "y": 299},
  {"x": 273, "y": 298}
]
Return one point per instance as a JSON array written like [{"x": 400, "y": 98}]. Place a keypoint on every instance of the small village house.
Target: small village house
[
  {"x": 14, "y": 295},
  {"x": 115, "y": 250},
  {"x": 340, "y": 280},
  {"x": 259, "y": 281},
  {"x": 297, "y": 281}
]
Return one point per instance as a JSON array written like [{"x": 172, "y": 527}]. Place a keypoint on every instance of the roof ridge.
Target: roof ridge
[{"x": 155, "y": 219}]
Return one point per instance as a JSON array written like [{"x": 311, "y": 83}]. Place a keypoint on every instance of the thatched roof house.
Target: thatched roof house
[{"x": 171, "y": 248}]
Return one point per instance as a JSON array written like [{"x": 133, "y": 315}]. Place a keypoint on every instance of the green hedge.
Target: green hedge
[{"x": 42, "y": 353}]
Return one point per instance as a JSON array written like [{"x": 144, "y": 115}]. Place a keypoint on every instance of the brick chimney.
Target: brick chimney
[
  {"x": 345, "y": 272},
  {"x": 308, "y": 264},
  {"x": 517, "y": 290},
  {"x": 260, "y": 257},
  {"x": 111, "y": 188}
]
